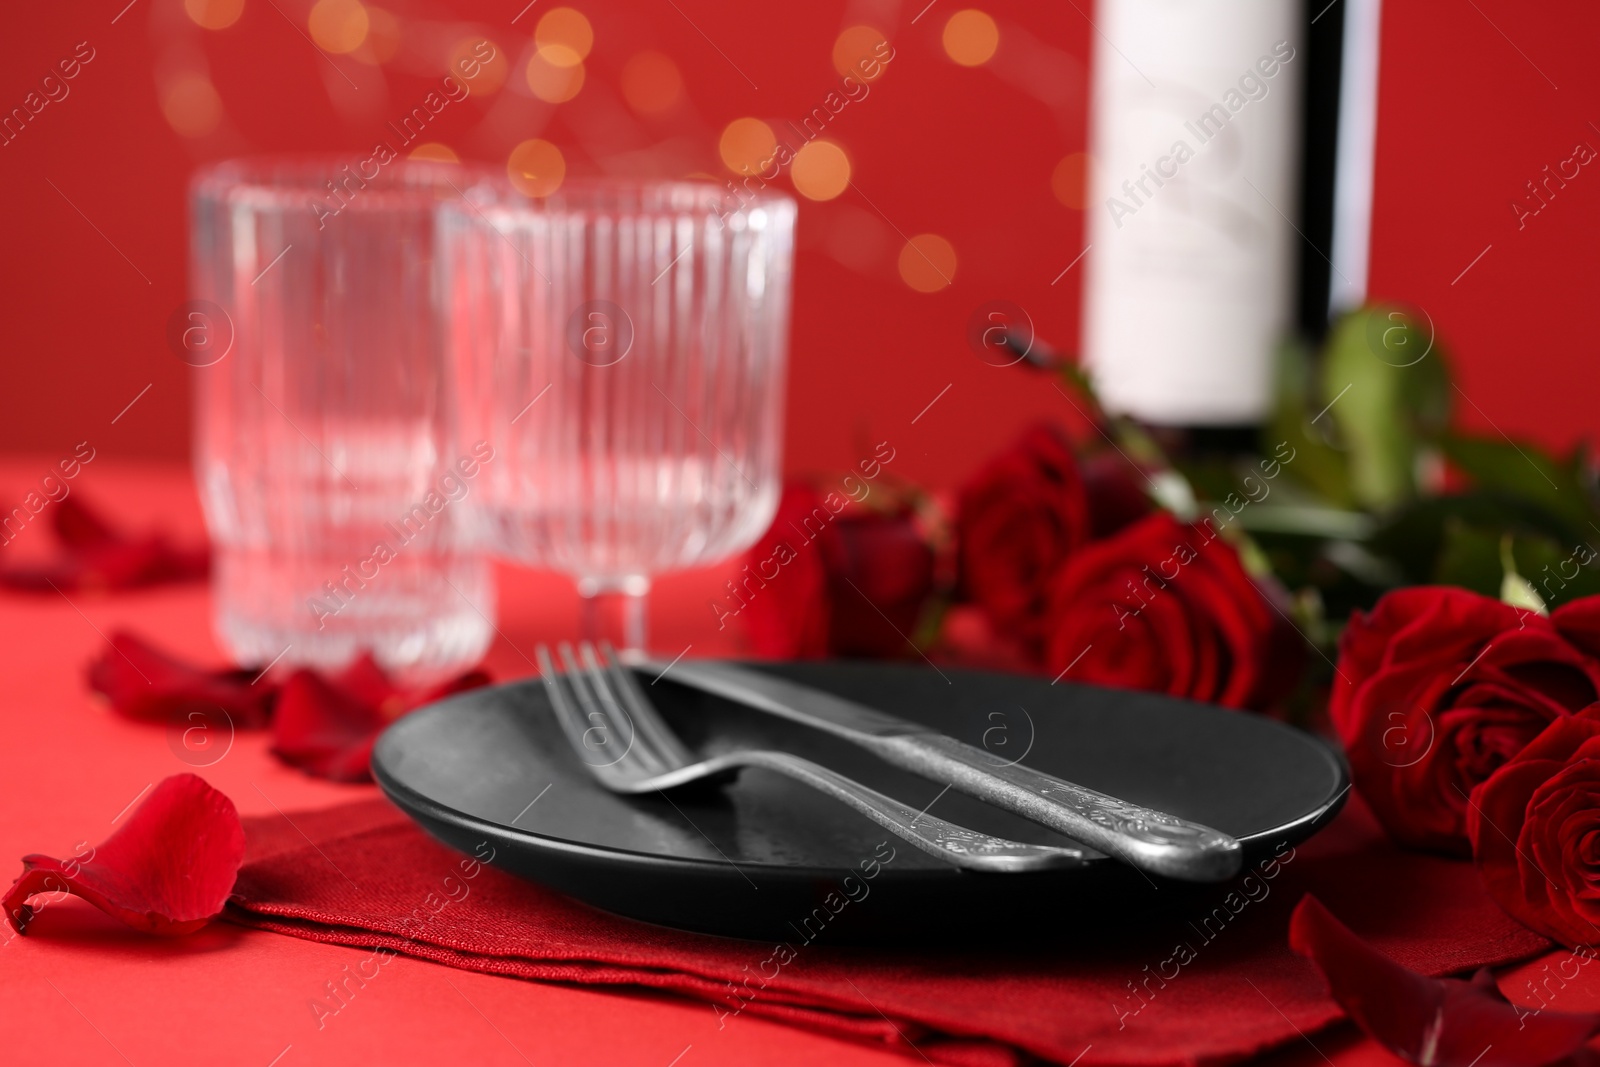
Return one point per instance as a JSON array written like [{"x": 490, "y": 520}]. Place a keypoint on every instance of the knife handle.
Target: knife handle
[{"x": 1142, "y": 837}]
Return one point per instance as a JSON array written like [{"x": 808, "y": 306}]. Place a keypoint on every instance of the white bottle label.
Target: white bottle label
[{"x": 1195, "y": 147}]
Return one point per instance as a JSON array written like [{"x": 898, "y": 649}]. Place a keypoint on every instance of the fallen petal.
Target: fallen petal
[
  {"x": 142, "y": 682},
  {"x": 326, "y": 727},
  {"x": 167, "y": 870},
  {"x": 324, "y": 730},
  {"x": 1435, "y": 1022},
  {"x": 96, "y": 555}
]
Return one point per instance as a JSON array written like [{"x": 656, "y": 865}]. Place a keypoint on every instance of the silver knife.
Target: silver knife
[{"x": 1142, "y": 837}]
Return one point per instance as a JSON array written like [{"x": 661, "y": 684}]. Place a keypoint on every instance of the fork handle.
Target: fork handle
[{"x": 947, "y": 841}]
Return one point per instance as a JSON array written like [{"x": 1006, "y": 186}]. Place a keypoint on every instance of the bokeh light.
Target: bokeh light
[
  {"x": 1070, "y": 180},
  {"x": 928, "y": 263},
  {"x": 566, "y": 34},
  {"x": 213, "y": 14},
  {"x": 820, "y": 171},
  {"x": 383, "y": 34},
  {"x": 536, "y": 167},
  {"x": 191, "y": 104},
  {"x": 554, "y": 82},
  {"x": 971, "y": 37},
  {"x": 855, "y": 52},
  {"x": 478, "y": 75},
  {"x": 651, "y": 83},
  {"x": 338, "y": 26},
  {"x": 435, "y": 152},
  {"x": 747, "y": 145}
]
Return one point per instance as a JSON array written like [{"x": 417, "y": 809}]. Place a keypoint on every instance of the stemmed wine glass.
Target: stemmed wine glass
[{"x": 622, "y": 346}]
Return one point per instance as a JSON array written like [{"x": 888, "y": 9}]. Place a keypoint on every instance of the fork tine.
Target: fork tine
[
  {"x": 643, "y": 747},
  {"x": 591, "y": 731},
  {"x": 562, "y": 699},
  {"x": 647, "y": 721}
]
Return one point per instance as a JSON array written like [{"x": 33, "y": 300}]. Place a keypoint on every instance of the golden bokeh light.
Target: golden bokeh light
[
  {"x": 651, "y": 83},
  {"x": 820, "y": 171},
  {"x": 856, "y": 53},
  {"x": 747, "y": 145},
  {"x": 928, "y": 263},
  {"x": 213, "y": 14},
  {"x": 339, "y": 26},
  {"x": 465, "y": 63},
  {"x": 383, "y": 34},
  {"x": 536, "y": 168},
  {"x": 554, "y": 82},
  {"x": 191, "y": 105},
  {"x": 435, "y": 152},
  {"x": 971, "y": 37},
  {"x": 1070, "y": 181},
  {"x": 565, "y": 33}
]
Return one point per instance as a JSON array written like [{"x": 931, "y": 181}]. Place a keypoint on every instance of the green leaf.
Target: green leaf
[
  {"x": 1387, "y": 392},
  {"x": 1316, "y": 464},
  {"x": 1416, "y": 536},
  {"x": 1544, "y": 569},
  {"x": 1526, "y": 472},
  {"x": 1470, "y": 558}
]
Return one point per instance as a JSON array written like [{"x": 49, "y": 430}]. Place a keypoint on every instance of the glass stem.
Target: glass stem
[{"x": 614, "y": 610}]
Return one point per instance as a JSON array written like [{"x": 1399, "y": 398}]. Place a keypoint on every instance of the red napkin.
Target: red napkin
[{"x": 363, "y": 875}]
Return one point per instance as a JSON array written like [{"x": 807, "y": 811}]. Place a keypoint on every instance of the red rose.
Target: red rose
[
  {"x": 1017, "y": 520},
  {"x": 1116, "y": 491},
  {"x": 1167, "y": 607},
  {"x": 1436, "y": 688},
  {"x": 1579, "y": 622},
  {"x": 1535, "y": 830},
  {"x": 832, "y": 577}
]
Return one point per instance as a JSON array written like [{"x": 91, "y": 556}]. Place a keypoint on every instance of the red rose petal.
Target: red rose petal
[
  {"x": 1524, "y": 847},
  {"x": 79, "y": 526},
  {"x": 326, "y": 727},
  {"x": 1018, "y": 518},
  {"x": 167, "y": 870},
  {"x": 97, "y": 555},
  {"x": 1440, "y": 1022},
  {"x": 143, "y": 682},
  {"x": 788, "y": 617},
  {"x": 1439, "y": 686},
  {"x": 1579, "y": 622},
  {"x": 323, "y": 730},
  {"x": 800, "y": 593},
  {"x": 1167, "y": 607}
]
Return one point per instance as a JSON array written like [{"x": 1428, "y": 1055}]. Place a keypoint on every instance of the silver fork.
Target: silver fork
[{"x": 629, "y": 748}]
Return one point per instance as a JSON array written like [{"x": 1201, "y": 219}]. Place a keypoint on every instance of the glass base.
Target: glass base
[{"x": 423, "y": 618}]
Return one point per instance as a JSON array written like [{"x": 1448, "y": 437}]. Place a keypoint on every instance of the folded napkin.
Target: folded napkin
[{"x": 1211, "y": 987}]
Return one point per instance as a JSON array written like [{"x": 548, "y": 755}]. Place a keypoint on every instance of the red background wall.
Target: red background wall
[{"x": 1476, "y": 98}]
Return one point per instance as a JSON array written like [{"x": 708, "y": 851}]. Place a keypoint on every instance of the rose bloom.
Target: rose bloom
[
  {"x": 1535, "y": 830},
  {"x": 1436, "y": 688},
  {"x": 832, "y": 578},
  {"x": 1017, "y": 520},
  {"x": 1167, "y": 607}
]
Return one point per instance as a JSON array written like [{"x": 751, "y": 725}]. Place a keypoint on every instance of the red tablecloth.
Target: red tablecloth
[{"x": 93, "y": 992}]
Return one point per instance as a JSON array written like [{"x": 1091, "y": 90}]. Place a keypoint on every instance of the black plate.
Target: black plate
[{"x": 764, "y": 857}]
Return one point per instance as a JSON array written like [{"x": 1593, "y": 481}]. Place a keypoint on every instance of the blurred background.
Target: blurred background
[{"x": 970, "y": 145}]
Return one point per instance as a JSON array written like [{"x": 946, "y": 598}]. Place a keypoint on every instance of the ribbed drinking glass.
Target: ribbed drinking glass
[
  {"x": 622, "y": 345},
  {"x": 331, "y": 472}
]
